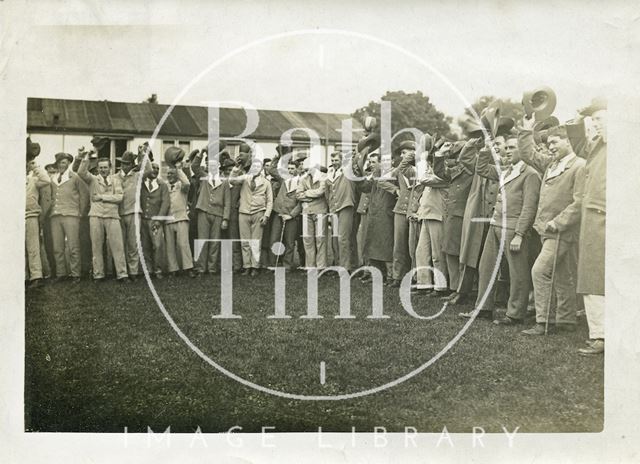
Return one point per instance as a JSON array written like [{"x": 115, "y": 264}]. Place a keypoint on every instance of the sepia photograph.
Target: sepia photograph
[{"x": 381, "y": 227}]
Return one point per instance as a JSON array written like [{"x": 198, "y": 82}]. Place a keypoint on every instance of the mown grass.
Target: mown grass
[{"x": 101, "y": 357}]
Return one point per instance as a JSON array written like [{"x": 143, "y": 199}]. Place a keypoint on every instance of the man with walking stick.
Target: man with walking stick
[{"x": 558, "y": 224}]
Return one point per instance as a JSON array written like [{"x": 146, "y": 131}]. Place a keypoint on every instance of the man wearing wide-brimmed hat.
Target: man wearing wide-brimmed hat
[
  {"x": 129, "y": 175},
  {"x": 69, "y": 194},
  {"x": 591, "y": 253}
]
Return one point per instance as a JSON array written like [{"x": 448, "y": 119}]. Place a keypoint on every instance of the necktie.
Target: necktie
[
  {"x": 59, "y": 178},
  {"x": 252, "y": 184}
]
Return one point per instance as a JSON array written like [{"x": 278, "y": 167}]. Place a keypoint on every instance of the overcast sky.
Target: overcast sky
[{"x": 580, "y": 49}]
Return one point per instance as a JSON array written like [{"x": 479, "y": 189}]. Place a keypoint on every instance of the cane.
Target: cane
[
  {"x": 553, "y": 278},
  {"x": 284, "y": 223}
]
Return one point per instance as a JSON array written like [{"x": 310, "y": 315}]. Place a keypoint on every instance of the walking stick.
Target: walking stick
[
  {"x": 553, "y": 278},
  {"x": 284, "y": 223}
]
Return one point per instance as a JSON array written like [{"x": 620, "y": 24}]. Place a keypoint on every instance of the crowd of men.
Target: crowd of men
[{"x": 542, "y": 204}]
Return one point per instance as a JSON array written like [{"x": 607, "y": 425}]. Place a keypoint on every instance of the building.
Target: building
[{"x": 66, "y": 125}]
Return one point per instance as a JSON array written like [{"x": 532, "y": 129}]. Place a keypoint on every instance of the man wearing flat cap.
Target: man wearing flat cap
[
  {"x": 591, "y": 255},
  {"x": 69, "y": 194},
  {"x": 557, "y": 222}
]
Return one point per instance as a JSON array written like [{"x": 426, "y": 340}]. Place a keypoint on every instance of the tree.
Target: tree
[
  {"x": 509, "y": 109},
  {"x": 408, "y": 110}
]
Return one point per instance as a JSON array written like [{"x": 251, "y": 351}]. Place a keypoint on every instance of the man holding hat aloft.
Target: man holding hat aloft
[
  {"x": 129, "y": 175},
  {"x": 104, "y": 220},
  {"x": 591, "y": 255},
  {"x": 37, "y": 178},
  {"x": 213, "y": 209},
  {"x": 256, "y": 203}
]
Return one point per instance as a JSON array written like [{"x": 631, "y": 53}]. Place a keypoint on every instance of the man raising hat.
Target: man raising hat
[
  {"x": 557, "y": 221},
  {"x": 37, "y": 179},
  {"x": 593, "y": 226},
  {"x": 129, "y": 175},
  {"x": 104, "y": 220}
]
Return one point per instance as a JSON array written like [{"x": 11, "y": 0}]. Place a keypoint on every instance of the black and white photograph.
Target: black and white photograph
[{"x": 325, "y": 232}]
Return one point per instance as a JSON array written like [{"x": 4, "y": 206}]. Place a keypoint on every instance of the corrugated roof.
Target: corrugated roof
[{"x": 106, "y": 117}]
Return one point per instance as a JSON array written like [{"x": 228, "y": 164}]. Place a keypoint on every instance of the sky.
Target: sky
[{"x": 453, "y": 52}]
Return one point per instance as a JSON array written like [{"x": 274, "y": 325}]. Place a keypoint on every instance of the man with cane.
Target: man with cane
[{"x": 558, "y": 224}]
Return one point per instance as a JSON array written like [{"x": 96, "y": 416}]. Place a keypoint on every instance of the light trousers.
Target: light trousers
[
  {"x": 109, "y": 229},
  {"x": 251, "y": 235},
  {"x": 314, "y": 237},
  {"x": 32, "y": 245},
  {"x": 176, "y": 236},
  {"x": 564, "y": 285},
  {"x": 594, "y": 308},
  {"x": 65, "y": 231},
  {"x": 130, "y": 239},
  {"x": 414, "y": 236},
  {"x": 429, "y": 253}
]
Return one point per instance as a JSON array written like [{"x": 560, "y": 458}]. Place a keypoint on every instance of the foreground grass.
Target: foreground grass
[{"x": 101, "y": 357}]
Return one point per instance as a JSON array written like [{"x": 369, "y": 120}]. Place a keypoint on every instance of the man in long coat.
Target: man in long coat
[{"x": 592, "y": 230}]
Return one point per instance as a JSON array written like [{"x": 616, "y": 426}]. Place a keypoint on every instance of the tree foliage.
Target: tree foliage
[{"x": 409, "y": 110}]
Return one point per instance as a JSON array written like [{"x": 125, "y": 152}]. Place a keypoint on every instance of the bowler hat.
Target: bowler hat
[
  {"x": 597, "y": 104},
  {"x": 284, "y": 149},
  {"x": 173, "y": 155},
  {"x": 540, "y": 101},
  {"x": 60, "y": 156}
]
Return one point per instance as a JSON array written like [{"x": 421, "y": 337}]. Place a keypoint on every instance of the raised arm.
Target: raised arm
[
  {"x": 485, "y": 166},
  {"x": 185, "y": 185},
  {"x": 528, "y": 153},
  {"x": 83, "y": 170}
]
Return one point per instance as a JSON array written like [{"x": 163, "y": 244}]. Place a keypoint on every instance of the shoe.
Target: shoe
[
  {"x": 35, "y": 283},
  {"x": 421, "y": 291},
  {"x": 122, "y": 280},
  {"x": 537, "y": 329},
  {"x": 134, "y": 277},
  {"x": 98, "y": 280},
  {"x": 483, "y": 314},
  {"x": 245, "y": 272},
  {"x": 159, "y": 276},
  {"x": 254, "y": 272},
  {"x": 507, "y": 321},
  {"x": 596, "y": 347},
  {"x": 458, "y": 299},
  {"x": 564, "y": 327},
  {"x": 75, "y": 280},
  {"x": 195, "y": 274}
]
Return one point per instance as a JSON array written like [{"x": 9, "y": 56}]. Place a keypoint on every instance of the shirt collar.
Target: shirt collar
[{"x": 558, "y": 167}]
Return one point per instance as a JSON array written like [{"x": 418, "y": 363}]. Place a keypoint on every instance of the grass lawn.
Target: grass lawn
[{"x": 101, "y": 357}]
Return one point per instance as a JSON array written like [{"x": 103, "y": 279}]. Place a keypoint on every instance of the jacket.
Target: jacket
[
  {"x": 36, "y": 180},
  {"x": 521, "y": 185},
  {"x": 154, "y": 198},
  {"x": 561, "y": 190},
  {"x": 70, "y": 195},
  {"x": 311, "y": 193},
  {"x": 105, "y": 193}
]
